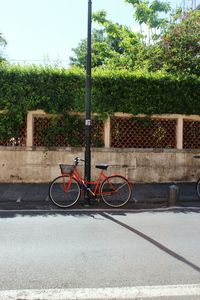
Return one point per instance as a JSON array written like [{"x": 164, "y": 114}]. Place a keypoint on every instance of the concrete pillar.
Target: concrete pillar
[
  {"x": 107, "y": 133},
  {"x": 29, "y": 129},
  {"x": 173, "y": 195},
  {"x": 179, "y": 133}
]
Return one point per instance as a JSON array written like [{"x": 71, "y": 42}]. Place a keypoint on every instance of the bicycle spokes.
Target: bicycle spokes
[
  {"x": 64, "y": 191},
  {"x": 115, "y": 191}
]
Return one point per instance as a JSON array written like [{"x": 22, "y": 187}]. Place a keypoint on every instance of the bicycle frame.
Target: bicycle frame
[{"x": 85, "y": 184}]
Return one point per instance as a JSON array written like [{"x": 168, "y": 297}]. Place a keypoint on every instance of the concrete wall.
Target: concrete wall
[{"x": 27, "y": 164}]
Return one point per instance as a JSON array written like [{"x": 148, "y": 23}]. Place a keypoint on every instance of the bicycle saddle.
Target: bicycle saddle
[{"x": 102, "y": 166}]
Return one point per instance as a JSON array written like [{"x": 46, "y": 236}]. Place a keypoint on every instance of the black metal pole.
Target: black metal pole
[{"x": 88, "y": 103}]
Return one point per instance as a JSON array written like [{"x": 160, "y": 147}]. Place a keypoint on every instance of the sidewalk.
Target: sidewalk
[{"x": 145, "y": 195}]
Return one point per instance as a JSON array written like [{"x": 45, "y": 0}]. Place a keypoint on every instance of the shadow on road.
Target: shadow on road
[
  {"x": 91, "y": 212},
  {"x": 152, "y": 241}
]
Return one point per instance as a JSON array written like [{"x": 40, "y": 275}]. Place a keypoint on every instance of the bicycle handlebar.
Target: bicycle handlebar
[{"x": 77, "y": 160}]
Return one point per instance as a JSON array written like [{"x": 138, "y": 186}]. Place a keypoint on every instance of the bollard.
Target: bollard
[{"x": 173, "y": 195}]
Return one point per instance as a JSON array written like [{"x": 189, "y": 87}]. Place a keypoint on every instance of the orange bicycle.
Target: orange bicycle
[{"x": 65, "y": 190}]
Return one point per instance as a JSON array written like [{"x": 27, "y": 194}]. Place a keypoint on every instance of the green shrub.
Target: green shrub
[{"x": 61, "y": 91}]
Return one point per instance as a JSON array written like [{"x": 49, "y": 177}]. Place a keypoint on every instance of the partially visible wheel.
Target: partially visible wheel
[
  {"x": 116, "y": 191},
  {"x": 64, "y": 191},
  {"x": 198, "y": 187}
]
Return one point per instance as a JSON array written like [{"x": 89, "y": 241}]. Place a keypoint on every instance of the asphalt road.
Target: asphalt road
[
  {"x": 24, "y": 196},
  {"x": 96, "y": 251}
]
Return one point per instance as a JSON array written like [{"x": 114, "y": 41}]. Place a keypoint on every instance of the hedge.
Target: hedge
[{"x": 62, "y": 91}]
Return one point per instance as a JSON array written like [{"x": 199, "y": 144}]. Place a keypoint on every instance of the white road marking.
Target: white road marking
[{"x": 138, "y": 292}]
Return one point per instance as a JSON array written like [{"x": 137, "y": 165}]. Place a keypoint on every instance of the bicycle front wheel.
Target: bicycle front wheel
[
  {"x": 116, "y": 191},
  {"x": 64, "y": 191},
  {"x": 198, "y": 187}
]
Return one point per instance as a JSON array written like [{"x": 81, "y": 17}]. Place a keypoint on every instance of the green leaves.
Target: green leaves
[
  {"x": 118, "y": 46},
  {"x": 180, "y": 44},
  {"x": 148, "y": 12},
  {"x": 169, "y": 46},
  {"x": 113, "y": 90},
  {"x": 113, "y": 45}
]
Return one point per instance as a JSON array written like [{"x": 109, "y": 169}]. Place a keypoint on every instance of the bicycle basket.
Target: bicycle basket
[{"x": 67, "y": 169}]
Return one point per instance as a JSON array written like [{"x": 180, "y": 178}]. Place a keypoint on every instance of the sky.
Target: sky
[{"x": 40, "y": 31}]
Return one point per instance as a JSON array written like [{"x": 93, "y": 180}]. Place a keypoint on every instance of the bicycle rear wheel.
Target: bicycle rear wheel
[
  {"x": 115, "y": 191},
  {"x": 198, "y": 187},
  {"x": 64, "y": 191}
]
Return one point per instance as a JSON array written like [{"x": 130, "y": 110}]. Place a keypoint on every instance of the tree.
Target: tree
[
  {"x": 181, "y": 46},
  {"x": 100, "y": 47},
  {"x": 117, "y": 45},
  {"x": 113, "y": 45},
  {"x": 178, "y": 51},
  {"x": 124, "y": 44},
  {"x": 173, "y": 46},
  {"x": 148, "y": 13},
  {"x": 2, "y": 46}
]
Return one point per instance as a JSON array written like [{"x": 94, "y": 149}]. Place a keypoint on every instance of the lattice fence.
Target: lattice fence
[
  {"x": 143, "y": 133},
  {"x": 120, "y": 131},
  {"x": 42, "y": 127},
  {"x": 191, "y": 134},
  {"x": 18, "y": 139}
]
